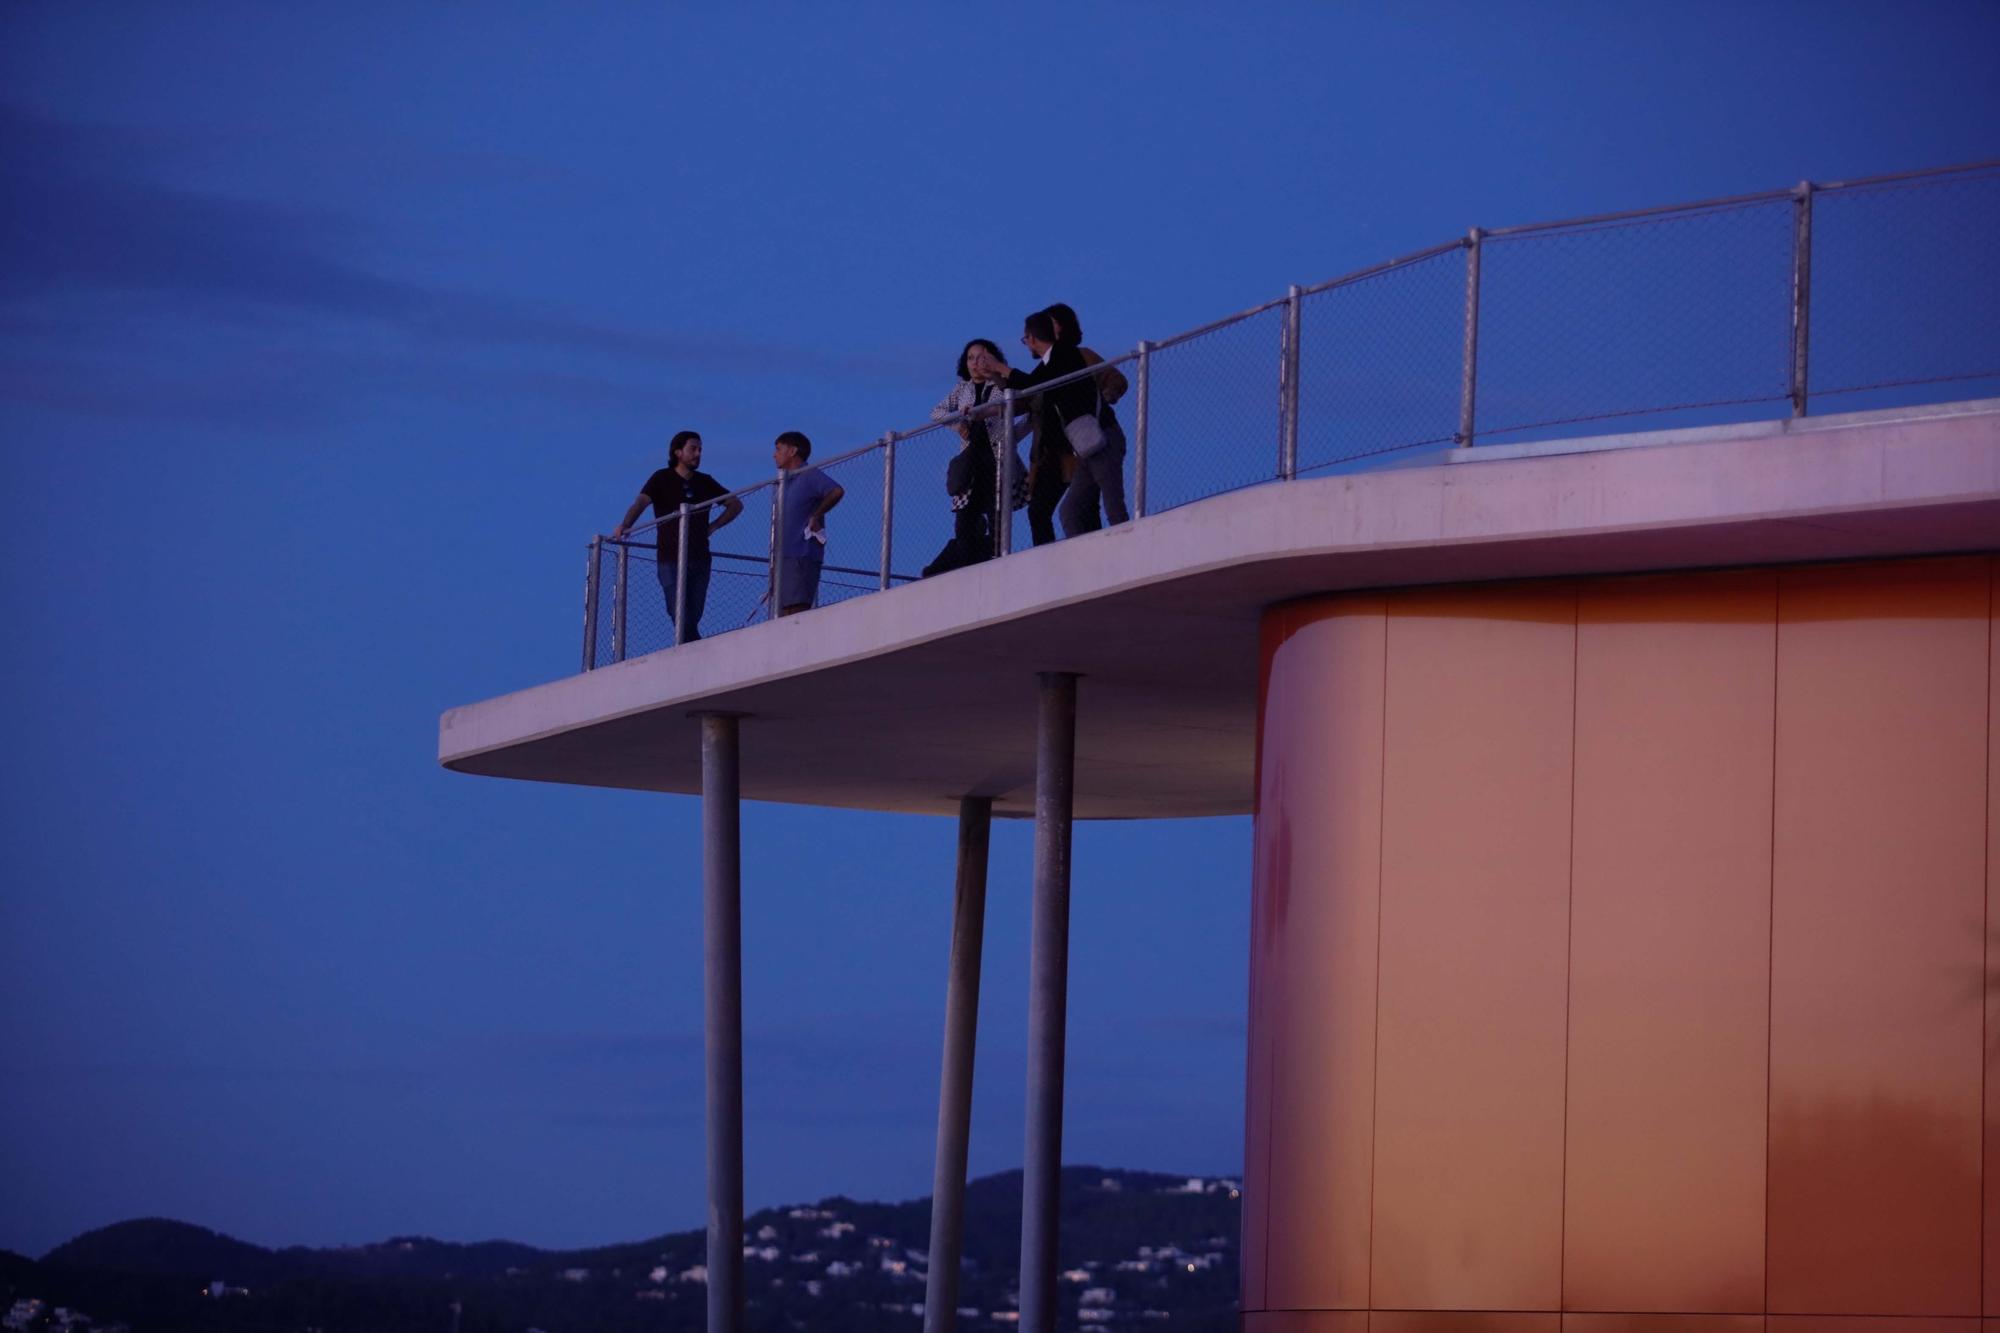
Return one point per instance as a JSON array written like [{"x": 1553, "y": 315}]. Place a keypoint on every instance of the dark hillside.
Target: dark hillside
[{"x": 1136, "y": 1246}]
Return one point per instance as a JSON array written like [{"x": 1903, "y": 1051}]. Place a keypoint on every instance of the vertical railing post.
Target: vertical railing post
[
  {"x": 1139, "y": 425},
  {"x": 618, "y": 604},
  {"x": 888, "y": 499},
  {"x": 1802, "y": 198},
  {"x": 590, "y": 582},
  {"x": 1003, "y": 508},
  {"x": 1468, "y": 392},
  {"x": 777, "y": 544},
  {"x": 681, "y": 574},
  {"x": 1288, "y": 388}
]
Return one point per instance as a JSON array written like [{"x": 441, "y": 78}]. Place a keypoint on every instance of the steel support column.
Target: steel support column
[
  {"x": 722, "y": 965},
  {"x": 961, "y": 1021},
  {"x": 1048, "y": 1000}
]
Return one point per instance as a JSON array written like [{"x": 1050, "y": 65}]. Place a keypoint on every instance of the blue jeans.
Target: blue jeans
[{"x": 697, "y": 592}]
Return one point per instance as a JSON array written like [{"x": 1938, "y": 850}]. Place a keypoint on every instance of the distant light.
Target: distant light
[{"x": 1190, "y": 1268}]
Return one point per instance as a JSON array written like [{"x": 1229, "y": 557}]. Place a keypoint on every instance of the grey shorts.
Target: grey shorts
[{"x": 798, "y": 581}]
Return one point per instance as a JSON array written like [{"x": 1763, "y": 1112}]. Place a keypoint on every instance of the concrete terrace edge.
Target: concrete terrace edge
[{"x": 1869, "y": 484}]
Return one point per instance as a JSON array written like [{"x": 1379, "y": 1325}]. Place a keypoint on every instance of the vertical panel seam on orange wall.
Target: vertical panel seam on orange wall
[
  {"x": 1569, "y": 948},
  {"x": 1986, "y": 933},
  {"x": 1381, "y": 860},
  {"x": 1771, "y": 925},
  {"x": 1260, "y": 1008},
  {"x": 1256, "y": 1022}
]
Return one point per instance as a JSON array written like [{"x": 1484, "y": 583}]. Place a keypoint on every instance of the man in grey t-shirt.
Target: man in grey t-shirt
[{"x": 809, "y": 495}]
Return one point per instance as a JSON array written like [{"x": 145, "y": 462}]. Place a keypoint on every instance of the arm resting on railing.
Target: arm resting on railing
[{"x": 632, "y": 516}]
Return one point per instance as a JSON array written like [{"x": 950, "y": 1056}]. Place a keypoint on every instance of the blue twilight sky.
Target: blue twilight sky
[{"x": 329, "y": 333}]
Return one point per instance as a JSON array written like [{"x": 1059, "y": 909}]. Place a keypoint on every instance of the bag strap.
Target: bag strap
[{"x": 1096, "y": 395}]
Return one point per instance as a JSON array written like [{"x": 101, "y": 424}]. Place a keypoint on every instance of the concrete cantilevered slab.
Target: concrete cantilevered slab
[{"x": 912, "y": 698}]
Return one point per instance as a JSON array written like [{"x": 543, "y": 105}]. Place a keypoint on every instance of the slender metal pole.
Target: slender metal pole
[
  {"x": 722, "y": 961},
  {"x": 1288, "y": 388},
  {"x": 1048, "y": 1000},
  {"x": 1139, "y": 424},
  {"x": 1468, "y": 393},
  {"x": 590, "y": 605},
  {"x": 618, "y": 593},
  {"x": 777, "y": 545},
  {"x": 681, "y": 574},
  {"x": 888, "y": 499},
  {"x": 961, "y": 1020},
  {"x": 1003, "y": 512},
  {"x": 1802, "y": 198}
]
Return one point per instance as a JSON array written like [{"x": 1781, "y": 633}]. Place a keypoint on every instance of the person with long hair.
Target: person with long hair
[
  {"x": 681, "y": 482},
  {"x": 1102, "y": 475},
  {"x": 1052, "y": 458},
  {"x": 972, "y": 475}
]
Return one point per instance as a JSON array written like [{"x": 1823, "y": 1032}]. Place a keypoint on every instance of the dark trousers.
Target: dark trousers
[
  {"x": 1098, "y": 477},
  {"x": 697, "y": 592},
  {"x": 1045, "y": 492},
  {"x": 971, "y": 542}
]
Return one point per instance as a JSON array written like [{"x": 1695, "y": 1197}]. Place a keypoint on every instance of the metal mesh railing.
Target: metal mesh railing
[
  {"x": 1214, "y": 409},
  {"x": 923, "y": 519},
  {"x": 1635, "y": 316},
  {"x": 1379, "y": 361},
  {"x": 1880, "y": 292},
  {"x": 1905, "y": 290},
  {"x": 852, "y": 555}
]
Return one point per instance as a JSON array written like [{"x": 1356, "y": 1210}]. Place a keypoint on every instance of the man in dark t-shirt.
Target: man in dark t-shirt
[{"x": 666, "y": 491}]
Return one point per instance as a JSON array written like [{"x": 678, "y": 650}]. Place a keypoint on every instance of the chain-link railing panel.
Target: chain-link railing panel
[
  {"x": 1905, "y": 283},
  {"x": 600, "y": 648},
  {"x": 1212, "y": 411},
  {"x": 739, "y": 592},
  {"x": 1632, "y": 317},
  {"x": 636, "y": 617},
  {"x": 1380, "y": 362},
  {"x": 923, "y": 517},
  {"x": 1020, "y": 535},
  {"x": 648, "y": 625},
  {"x": 852, "y": 562},
  {"x": 739, "y": 568}
]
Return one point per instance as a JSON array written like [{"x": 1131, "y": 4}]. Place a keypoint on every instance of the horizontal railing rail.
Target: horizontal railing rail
[{"x": 1685, "y": 313}]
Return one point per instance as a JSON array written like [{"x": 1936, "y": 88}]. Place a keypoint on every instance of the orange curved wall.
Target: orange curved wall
[{"x": 1619, "y": 952}]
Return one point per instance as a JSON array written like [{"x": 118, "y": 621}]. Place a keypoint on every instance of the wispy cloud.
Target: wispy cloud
[{"x": 91, "y": 232}]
